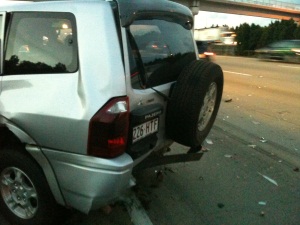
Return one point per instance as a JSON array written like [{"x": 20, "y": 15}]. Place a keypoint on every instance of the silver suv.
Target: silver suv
[{"x": 88, "y": 90}]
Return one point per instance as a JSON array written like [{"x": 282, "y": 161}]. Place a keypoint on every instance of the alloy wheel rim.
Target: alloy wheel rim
[
  {"x": 208, "y": 106},
  {"x": 19, "y": 193}
]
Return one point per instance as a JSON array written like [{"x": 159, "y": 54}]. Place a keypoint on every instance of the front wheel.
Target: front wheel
[{"x": 26, "y": 198}]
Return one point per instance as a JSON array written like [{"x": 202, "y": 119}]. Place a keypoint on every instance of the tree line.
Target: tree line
[{"x": 251, "y": 37}]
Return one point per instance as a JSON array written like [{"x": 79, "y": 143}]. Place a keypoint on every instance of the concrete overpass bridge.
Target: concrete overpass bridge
[{"x": 261, "y": 8}]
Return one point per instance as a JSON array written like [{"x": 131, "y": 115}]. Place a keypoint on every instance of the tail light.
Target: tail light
[
  {"x": 108, "y": 129},
  {"x": 209, "y": 53}
]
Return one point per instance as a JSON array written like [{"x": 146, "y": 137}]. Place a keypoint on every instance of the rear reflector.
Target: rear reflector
[{"x": 108, "y": 129}]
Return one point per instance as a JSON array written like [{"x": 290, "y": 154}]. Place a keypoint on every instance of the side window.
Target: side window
[
  {"x": 160, "y": 50},
  {"x": 40, "y": 43}
]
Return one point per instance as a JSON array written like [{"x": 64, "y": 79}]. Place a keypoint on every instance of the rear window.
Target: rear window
[
  {"x": 41, "y": 43},
  {"x": 159, "y": 49}
]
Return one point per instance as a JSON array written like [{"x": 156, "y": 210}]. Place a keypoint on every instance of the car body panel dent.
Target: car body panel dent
[
  {"x": 38, "y": 155},
  {"x": 86, "y": 181}
]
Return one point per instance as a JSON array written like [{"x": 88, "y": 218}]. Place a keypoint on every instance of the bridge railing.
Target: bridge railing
[{"x": 270, "y": 3}]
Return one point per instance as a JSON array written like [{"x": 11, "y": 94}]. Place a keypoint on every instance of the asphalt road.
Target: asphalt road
[{"x": 250, "y": 171}]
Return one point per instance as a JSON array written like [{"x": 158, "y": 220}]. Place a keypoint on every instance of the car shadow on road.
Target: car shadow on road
[{"x": 114, "y": 215}]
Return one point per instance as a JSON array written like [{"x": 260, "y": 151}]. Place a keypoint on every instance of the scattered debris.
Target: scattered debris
[
  {"x": 255, "y": 122},
  {"x": 159, "y": 175},
  {"x": 204, "y": 149},
  {"x": 262, "y": 203},
  {"x": 228, "y": 156},
  {"x": 228, "y": 100},
  {"x": 296, "y": 169},
  {"x": 280, "y": 161},
  {"x": 168, "y": 169},
  {"x": 263, "y": 140},
  {"x": 252, "y": 146},
  {"x": 269, "y": 179},
  {"x": 209, "y": 141},
  {"x": 221, "y": 205},
  {"x": 106, "y": 209}
]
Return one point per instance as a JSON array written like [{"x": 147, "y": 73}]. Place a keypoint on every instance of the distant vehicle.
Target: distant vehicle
[
  {"x": 205, "y": 51},
  {"x": 286, "y": 51},
  {"x": 215, "y": 34}
]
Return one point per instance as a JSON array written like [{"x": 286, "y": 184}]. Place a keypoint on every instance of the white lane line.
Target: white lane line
[
  {"x": 294, "y": 67},
  {"x": 136, "y": 211},
  {"x": 242, "y": 74}
]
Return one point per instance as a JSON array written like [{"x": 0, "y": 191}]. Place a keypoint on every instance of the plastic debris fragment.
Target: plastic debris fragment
[
  {"x": 228, "y": 100},
  {"x": 209, "y": 141},
  {"x": 262, "y": 213},
  {"x": 269, "y": 179},
  {"x": 262, "y": 203},
  {"x": 204, "y": 149},
  {"x": 228, "y": 156},
  {"x": 252, "y": 146},
  {"x": 255, "y": 122},
  {"x": 263, "y": 140}
]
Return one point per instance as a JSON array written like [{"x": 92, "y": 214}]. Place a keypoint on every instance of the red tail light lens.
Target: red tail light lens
[{"x": 108, "y": 129}]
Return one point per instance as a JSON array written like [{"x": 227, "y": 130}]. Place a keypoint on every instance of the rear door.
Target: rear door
[{"x": 158, "y": 50}]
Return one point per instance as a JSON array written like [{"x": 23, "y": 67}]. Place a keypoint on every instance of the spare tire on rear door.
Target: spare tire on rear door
[{"x": 194, "y": 103}]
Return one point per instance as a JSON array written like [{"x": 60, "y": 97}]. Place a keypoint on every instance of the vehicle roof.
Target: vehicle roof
[
  {"x": 7, "y": 5},
  {"x": 129, "y": 10}
]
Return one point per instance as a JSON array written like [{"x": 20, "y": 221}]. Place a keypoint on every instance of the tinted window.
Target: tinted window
[
  {"x": 160, "y": 50},
  {"x": 41, "y": 43}
]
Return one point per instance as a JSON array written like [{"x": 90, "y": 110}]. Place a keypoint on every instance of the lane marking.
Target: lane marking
[
  {"x": 136, "y": 211},
  {"x": 294, "y": 67},
  {"x": 242, "y": 74}
]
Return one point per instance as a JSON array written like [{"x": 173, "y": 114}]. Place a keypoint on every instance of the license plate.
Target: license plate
[{"x": 144, "y": 129}]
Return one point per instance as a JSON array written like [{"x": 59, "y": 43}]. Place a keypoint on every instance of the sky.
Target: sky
[{"x": 207, "y": 19}]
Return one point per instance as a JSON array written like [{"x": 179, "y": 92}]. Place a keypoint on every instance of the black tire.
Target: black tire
[
  {"x": 189, "y": 96},
  {"x": 23, "y": 186}
]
